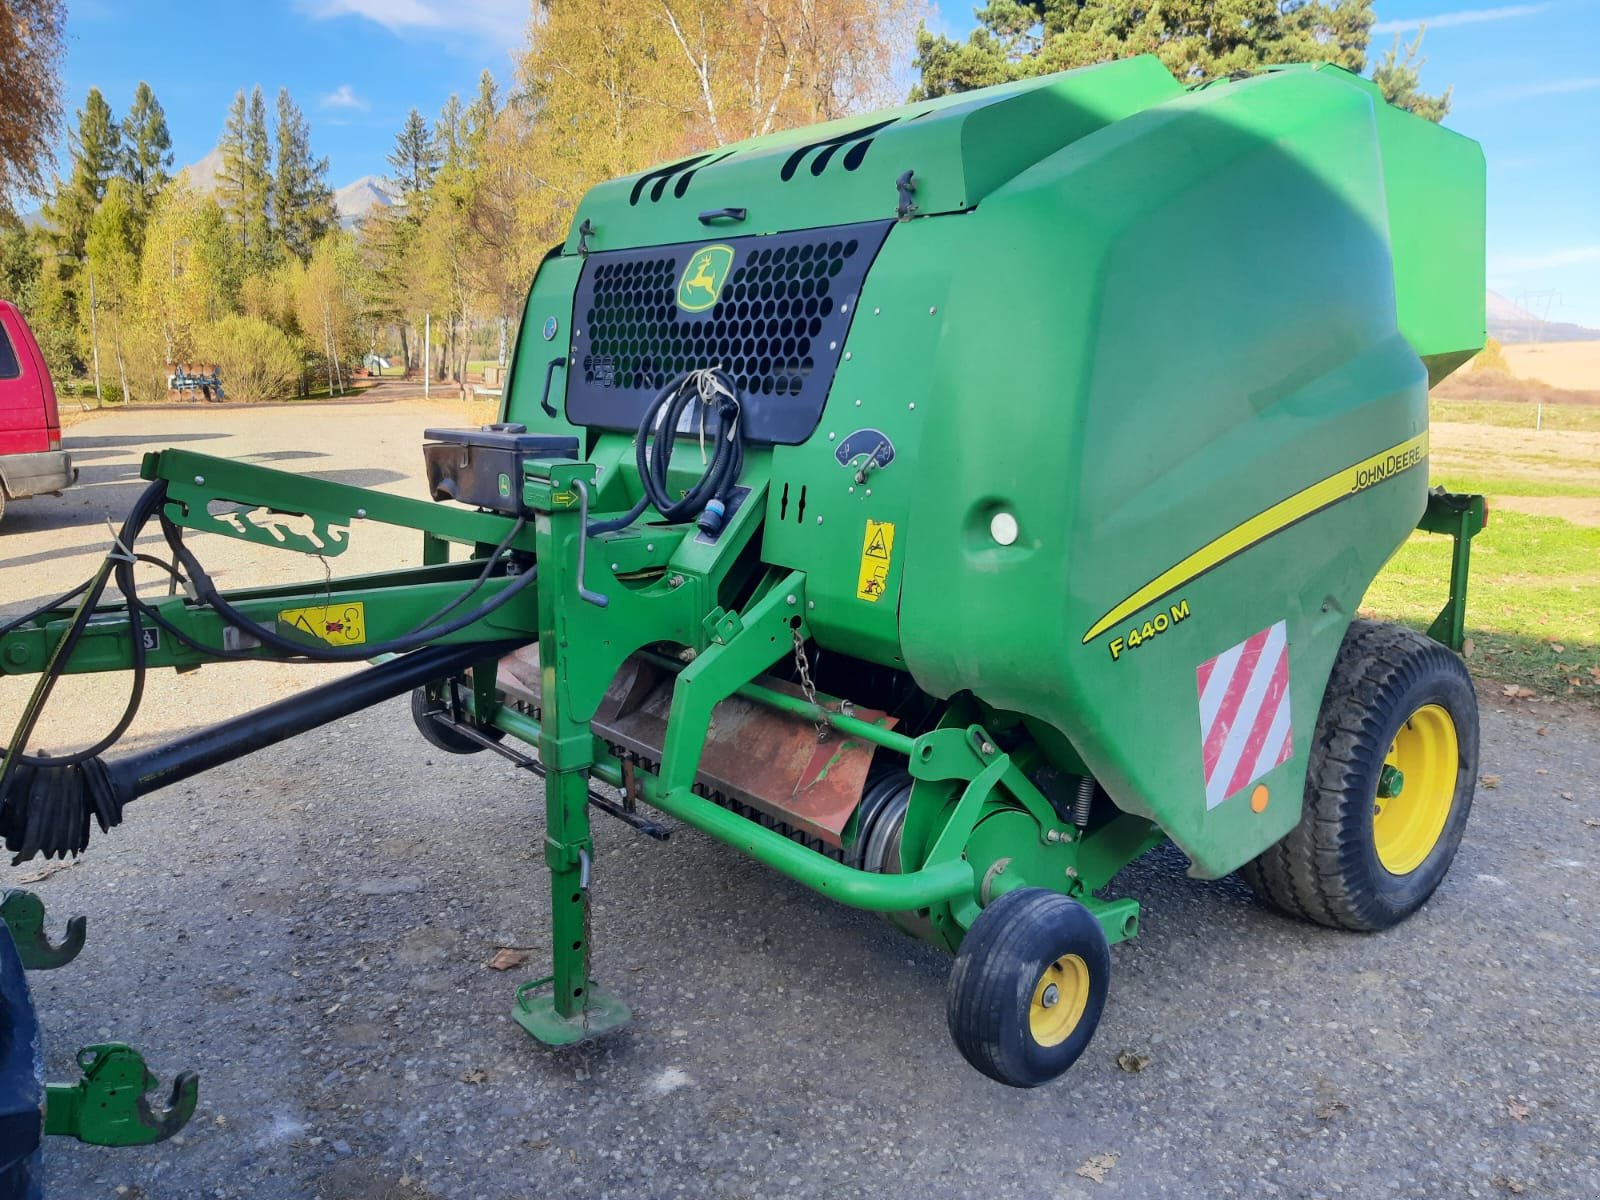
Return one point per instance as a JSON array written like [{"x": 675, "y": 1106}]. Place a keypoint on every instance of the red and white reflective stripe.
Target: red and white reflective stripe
[{"x": 1244, "y": 712}]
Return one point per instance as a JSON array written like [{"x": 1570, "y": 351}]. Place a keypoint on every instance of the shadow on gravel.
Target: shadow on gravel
[
  {"x": 134, "y": 439},
  {"x": 359, "y": 476}
]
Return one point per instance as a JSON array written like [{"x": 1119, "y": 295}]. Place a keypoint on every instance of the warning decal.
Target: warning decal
[
  {"x": 877, "y": 552},
  {"x": 336, "y": 624},
  {"x": 1245, "y": 728}
]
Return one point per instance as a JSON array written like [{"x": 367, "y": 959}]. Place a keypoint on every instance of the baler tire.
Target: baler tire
[
  {"x": 1018, "y": 947},
  {"x": 441, "y": 736},
  {"x": 1329, "y": 869}
]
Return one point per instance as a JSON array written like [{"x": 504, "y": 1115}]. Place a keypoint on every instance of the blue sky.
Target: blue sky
[{"x": 1526, "y": 78}]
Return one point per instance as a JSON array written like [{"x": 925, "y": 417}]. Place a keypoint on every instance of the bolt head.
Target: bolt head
[
  {"x": 1051, "y": 997},
  {"x": 987, "y": 747},
  {"x": 789, "y": 600},
  {"x": 199, "y": 479},
  {"x": 361, "y": 514}
]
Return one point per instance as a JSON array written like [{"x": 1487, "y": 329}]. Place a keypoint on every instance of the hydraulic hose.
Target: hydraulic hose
[{"x": 707, "y": 500}]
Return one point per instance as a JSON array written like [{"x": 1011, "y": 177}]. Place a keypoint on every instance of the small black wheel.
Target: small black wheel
[
  {"x": 1028, "y": 987},
  {"x": 425, "y": 710},
  {"x": 1394, "y": 763}
]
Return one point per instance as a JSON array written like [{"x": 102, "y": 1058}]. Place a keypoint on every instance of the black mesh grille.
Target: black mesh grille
[{"x": 776, "y": 328}]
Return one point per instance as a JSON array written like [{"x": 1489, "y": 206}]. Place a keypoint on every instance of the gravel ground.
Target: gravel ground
[{"x": 309, "y": 929}]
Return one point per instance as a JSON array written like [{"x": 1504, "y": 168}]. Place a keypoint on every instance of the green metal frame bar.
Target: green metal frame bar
[
  {"x": 1463, "y": 517},
  {"x": 195, "y": 481},
  {"x": 391, "y": 607}
]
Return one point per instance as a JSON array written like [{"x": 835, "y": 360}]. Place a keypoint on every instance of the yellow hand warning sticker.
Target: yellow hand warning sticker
[
  {"x": 877, "y": 552},
  {"x": 336, "y": 624}
]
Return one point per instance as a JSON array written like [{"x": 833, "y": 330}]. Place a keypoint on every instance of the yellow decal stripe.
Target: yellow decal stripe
[{"x": 1386, "y": 464}]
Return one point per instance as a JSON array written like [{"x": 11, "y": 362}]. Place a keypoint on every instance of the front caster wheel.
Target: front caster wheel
[
  {"x": 1028, "y": 987},
  {"x": 426, "y": 711}
]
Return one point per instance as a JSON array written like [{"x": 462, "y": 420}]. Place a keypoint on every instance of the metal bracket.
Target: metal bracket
[
  {"x": 23, "y": 914},
  {"x": 1463, "y": 517},
  {"x": 110, "y": 1105}
]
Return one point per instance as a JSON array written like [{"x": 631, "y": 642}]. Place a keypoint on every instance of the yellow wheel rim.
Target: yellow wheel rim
[
  {"x": 1420, "y": 776},
  {"x": 1059, "y": 999}
]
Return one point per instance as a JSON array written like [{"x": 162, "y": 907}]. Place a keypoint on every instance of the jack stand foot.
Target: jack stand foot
[{"x": 535, "y": 1011}]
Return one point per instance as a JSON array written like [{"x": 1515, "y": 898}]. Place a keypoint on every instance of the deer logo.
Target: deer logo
[{"x": 703, "y": 278}]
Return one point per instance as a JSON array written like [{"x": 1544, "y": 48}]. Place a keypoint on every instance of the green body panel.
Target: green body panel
[
  {"x": 1151, "y": 418},
  {"x": 1133, "y": 317},
  {"x": 960, "y": 147}
]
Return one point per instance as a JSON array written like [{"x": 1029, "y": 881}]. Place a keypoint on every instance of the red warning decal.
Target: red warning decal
[{"x": 1245, "y": 727}]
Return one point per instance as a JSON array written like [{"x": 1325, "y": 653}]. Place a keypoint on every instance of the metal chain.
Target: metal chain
[{"x": 806, "y": 686}]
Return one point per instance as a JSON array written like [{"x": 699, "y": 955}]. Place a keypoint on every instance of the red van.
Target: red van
[{"x": 32, "y": 462}]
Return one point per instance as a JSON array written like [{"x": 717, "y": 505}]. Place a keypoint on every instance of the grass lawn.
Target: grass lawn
[
  {"x": 1513, "y": 415},
  {"x": 1533, "y": 604},
  {"x": 1532, "y": 612}
]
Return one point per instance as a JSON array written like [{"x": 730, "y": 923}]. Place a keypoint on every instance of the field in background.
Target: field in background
[
  {"x": 1510, "y": 414},
  {"x": 1574, "y": 365},
  {"x": 1533, "y": 608}
]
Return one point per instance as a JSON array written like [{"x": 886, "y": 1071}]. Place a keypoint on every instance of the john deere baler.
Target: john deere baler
[{"x": 944, "y": 507}]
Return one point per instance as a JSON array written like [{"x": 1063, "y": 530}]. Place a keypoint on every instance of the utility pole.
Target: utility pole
[
  {"x": 94, "y": 343},
  {"x": 427, "y": 352}
]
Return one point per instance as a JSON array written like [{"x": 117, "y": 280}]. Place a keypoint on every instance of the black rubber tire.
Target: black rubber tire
[
  {"x": 21, "y": 1081},
  {"x": 443, "y": 736},
  {"x": 1001, "y": 961},
  {"x": 1327, "y": 869}
]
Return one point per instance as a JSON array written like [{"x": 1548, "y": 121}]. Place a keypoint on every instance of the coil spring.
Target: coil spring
[{"x": 1084, "y": 802}]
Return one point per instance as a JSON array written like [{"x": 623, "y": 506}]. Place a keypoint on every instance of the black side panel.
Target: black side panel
[{"x": 777, "y": 327}]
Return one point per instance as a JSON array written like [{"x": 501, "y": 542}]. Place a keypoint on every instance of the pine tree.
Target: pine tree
[
  {"x": 1018, "y": 39},
  {"x": 95, "y": 147},
  {"x": 147, "y": 150},
  {"x": 1398, "y": 77},
  {"x": 415, "y": 157},
  {"x": 245, "y": 181},
  {"x": 302, "y": 201},
  {"x": 447, "y": 133},
  {"x": 480, "y": 116}
]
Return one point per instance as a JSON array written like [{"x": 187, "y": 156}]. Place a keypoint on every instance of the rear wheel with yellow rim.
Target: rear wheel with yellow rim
[
  {"x": 1394, "y": 761},
  {"x": 1028, "y": 986}
]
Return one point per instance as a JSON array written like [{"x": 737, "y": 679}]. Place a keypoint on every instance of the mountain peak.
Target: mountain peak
[{"x": 352, "y": 202}]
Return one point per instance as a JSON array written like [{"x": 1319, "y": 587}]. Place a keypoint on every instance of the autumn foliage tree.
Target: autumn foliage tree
[{"x": 31, "y": 45}]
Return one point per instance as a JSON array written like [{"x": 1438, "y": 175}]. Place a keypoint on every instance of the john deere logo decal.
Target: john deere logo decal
[{"x": 703, "y": 277}]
